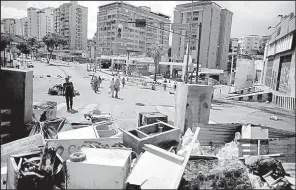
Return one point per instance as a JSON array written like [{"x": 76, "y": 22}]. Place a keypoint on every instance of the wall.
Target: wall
[
  {"x": 17, "y": 95},
  {"x": 244, "y": 68}
]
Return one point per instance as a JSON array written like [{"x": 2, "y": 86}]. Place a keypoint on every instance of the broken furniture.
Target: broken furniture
[
  {"x": 146, "y": 118},
  {"x": 149, "y": 134},
  {"x": 253, "y": 141},
  {"x": 45, "y": 111},
  {"x": 35, "y": 170},
  {"x": 102, "y": 169},
  {"x": 107, "y": 129}
]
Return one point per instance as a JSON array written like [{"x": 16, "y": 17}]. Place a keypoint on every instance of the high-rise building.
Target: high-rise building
[
  {"x": 249, "y": 44},
  {"x": 132, "y": 38},
  {"x": 24, "y": 25},
  {"x": 215, "y": 33},
  {"x": 32, "y": 22},
  {"x": 13, "y": 26},
  {"x": 70, "y": 21},
  {"x": 8, "y": 25},
  {"x": 45, "y": 22}
]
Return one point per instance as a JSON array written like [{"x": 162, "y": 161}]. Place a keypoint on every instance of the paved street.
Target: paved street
[{"x": 125, "y": 110}]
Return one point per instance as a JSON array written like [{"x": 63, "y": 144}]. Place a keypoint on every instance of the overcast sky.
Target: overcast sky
[{"x": 249, "y": 17}]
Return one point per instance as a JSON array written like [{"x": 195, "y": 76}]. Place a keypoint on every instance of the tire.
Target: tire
[{"x": 77, "y": 157}]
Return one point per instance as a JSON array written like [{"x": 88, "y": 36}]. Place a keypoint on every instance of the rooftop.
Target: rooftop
[{"x": 147, "y": 10}]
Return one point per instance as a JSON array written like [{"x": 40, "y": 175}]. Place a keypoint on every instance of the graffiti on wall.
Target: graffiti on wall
[
  {"x": 284, "y": 78},
  {"x": 65, "y": 147}
]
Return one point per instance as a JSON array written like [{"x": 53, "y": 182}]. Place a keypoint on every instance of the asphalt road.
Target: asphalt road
[{"x": 125, "y": 110}]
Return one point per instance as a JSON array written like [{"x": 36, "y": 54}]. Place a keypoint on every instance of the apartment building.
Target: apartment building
[
  {"x": 133, "y": 38},
  {"x": 279, "y": 65},
  {"x": 234, "y": 45},
  {"x": 249, "y": 44},
  {"x": 70, "y": 21},
  {"x": 32, "y": 22},
  {"x": 24, "y": 25},
  {"x": 14, "y": 26},
  {"x": 45, "y": 22},
  {"x": 8, "y": 26},
  {"x": 215, "y": 34}
]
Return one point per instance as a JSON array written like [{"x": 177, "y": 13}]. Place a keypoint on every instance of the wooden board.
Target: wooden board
[
  {"x": 21, "y": 145},
  {"x": 65, "y": 147},
  {"x": 184, "y": 164}
]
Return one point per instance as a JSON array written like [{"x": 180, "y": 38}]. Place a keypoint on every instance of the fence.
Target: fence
[{"x": 284, "y": 101}]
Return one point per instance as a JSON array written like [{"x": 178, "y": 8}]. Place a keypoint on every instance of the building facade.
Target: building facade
[
  {"x": 45, "y": 22},
  {"x": 32, "y": 22},
  {"x": 24, "y": 25},
  {"x": 8, "y": 26},
  {"x": 215, "y": 33},
  {"x": 234, "y": 45},
  {"x": 70, "y": 21},
  {"x": 133, "y": 38},
  {"x": 249, "y": 44},
  {"x": 279, "y": 65}
]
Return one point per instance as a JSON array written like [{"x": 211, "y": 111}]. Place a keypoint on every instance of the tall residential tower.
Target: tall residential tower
[{"x": 215, "y": 33}]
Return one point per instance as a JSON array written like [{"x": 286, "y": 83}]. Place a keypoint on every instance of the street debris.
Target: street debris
[
  {"x": 37, "y": 170},
  {"x": 58, "y": 90},
  {"x": 215, "y": 174},
  {"x": 275, "y": 118}
]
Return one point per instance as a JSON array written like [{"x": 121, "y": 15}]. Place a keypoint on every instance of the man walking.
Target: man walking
[
  {"x": 165, "y": 84},
  {"x": 112, "y": 87},
  {"x": 117, "y": 87},
  {"x": 68, "y": 92},
  {"x": 123, "y": 82}
]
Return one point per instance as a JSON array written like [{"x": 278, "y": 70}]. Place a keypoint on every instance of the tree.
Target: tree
[
  {"x": 24, "y": 48},
  {"x": 156, "y": 51},
  {"x": 4, "y": 41},
  {"x": 52, "y": 41},
  {"x": 31, "y": 43}
]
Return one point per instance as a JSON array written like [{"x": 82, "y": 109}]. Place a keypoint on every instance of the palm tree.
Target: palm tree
[{"x": 156, "y": 51}]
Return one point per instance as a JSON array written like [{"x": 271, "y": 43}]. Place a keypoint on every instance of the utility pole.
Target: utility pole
[
  {"x": 230, "y": 78},
  {"x": 198, "y": 52},
  {"x": 189, "y": 44}
]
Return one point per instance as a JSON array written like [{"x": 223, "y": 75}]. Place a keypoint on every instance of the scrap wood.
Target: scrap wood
[{"x": 179, "y": 177}]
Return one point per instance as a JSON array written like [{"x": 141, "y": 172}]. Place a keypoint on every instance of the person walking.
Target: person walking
[
  {"x": 99, "y": 81},
  {"x": 175, "y": 85},
  {"x": 117, "y": 87},
  {"x": 112, "y": 87},
  {"x": 123, "y": 82},
  {"x": 68, "y": 92},
  {"x": 164, "y": 84}
]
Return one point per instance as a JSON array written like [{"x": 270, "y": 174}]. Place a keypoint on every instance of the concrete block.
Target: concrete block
[
  {"x": 17, "y": 95},
  {"x": 193, "y": 103},
  {"x": 102, "y": 169}
]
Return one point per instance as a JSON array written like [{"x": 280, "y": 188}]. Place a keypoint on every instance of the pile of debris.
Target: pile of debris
[
  {"x": 215, "y": 174},
  {"x": 153, "y": 156},
  {"x": 58, "y": 90}
]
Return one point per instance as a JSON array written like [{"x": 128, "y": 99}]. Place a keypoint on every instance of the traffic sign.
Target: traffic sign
[{"x": 179, "y": 26}]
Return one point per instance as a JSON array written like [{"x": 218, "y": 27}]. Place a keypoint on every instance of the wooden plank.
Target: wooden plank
[
  {"x": 188, "y": 154},
  {"x": 164, "y": 154},
  {"x": 5, "y": 123}
]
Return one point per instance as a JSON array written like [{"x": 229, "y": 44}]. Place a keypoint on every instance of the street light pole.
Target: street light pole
[
  {"x": 230, "y": 80},
  {"x": 189, "y": 44},
  {"x": 198, "y": 53}
]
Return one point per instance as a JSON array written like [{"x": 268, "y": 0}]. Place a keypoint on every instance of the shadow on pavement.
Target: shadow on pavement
[{"x": 73, "y": 111}]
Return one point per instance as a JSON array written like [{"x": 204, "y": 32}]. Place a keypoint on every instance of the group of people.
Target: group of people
[
  {"x": 115, "y": 86},
  {"x": 96, "y": 83}
]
